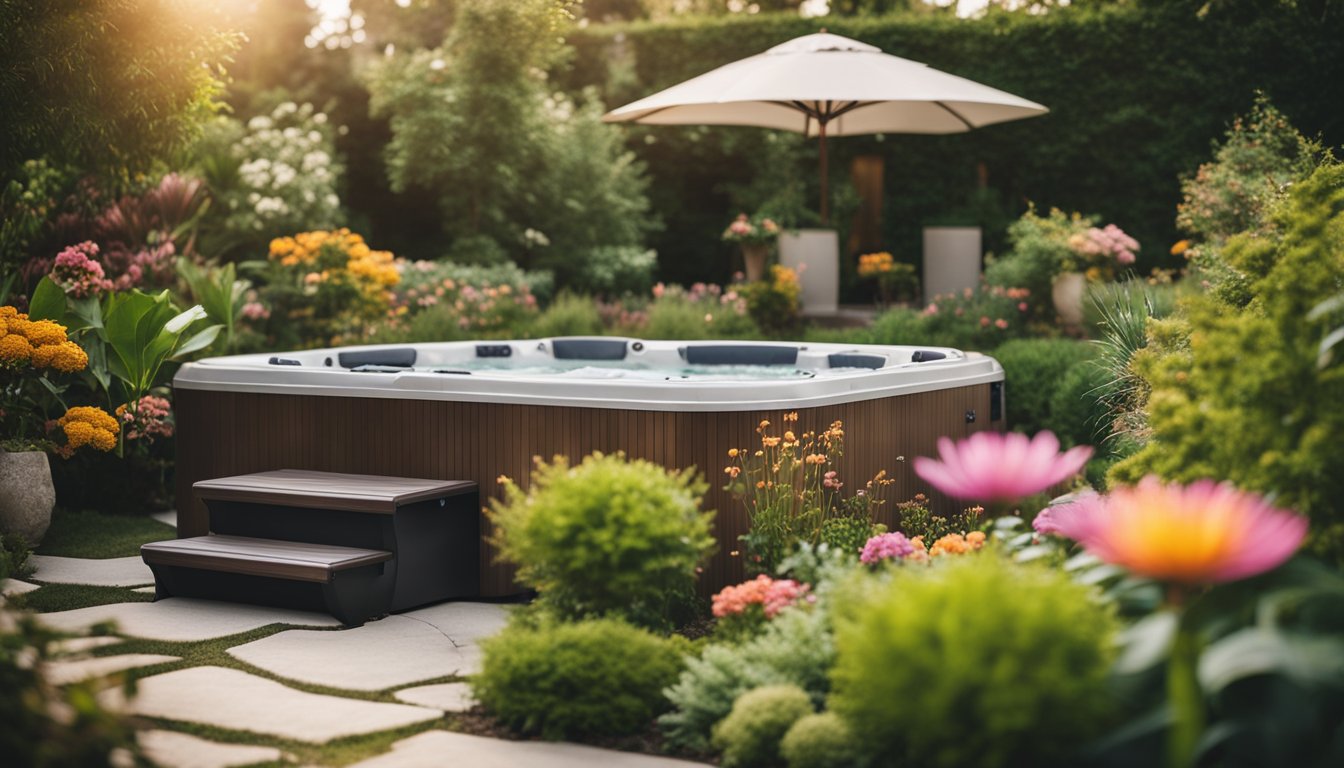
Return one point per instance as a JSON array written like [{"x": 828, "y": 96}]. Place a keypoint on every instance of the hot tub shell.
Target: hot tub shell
[{"x": 303, "y": 410}]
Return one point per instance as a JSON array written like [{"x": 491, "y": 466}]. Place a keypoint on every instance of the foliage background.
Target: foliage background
[{"x": 1137, "y": 92}]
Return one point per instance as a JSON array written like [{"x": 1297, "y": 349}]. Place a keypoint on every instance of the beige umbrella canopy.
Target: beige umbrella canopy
[{"x": 827, "y": 85}]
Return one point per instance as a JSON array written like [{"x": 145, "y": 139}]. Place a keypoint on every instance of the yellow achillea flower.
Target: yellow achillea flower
[
  {"x": 41, "y": 332},
  {"x": 14, "y": 350},
  {"x": 85, "y": 425},
  {"x": 66, "y": 357}
]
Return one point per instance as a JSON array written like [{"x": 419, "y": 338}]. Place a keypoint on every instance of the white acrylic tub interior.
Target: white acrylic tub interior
[{"x": 603, "y": 372}]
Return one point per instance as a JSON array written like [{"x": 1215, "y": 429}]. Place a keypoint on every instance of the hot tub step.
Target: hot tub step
[{"x": 352, "y": 583}]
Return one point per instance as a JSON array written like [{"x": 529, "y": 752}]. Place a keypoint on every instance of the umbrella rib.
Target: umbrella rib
[{"x": 957, "y": 115}]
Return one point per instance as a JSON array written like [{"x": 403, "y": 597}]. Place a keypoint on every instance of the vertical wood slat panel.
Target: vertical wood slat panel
[{"x": 227, "y": 433}]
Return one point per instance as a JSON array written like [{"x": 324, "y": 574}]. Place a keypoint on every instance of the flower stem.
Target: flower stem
[{"x": 1185, "y": 699}]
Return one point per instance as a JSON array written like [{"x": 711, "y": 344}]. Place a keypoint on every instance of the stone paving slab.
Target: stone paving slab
[
  {"x": 448, "y": 697},
  {"x": 398, "y": 650},
  {"x": 228, "y": 698},
  {"x": 434, "y": 749},
  {"x": 182, "y": 619},
  {"x": 167, "y": 517},
  {"x": 168, "y": 749},
  {"x": 10, "y": 587},
  {"x": 144, "y": 590},
  {"x": 113, "y": 572},
  {"x": 79, "y": 670}
]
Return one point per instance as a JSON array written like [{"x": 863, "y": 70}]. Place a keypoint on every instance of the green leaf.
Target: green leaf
[
  {"x": 1326, "y": 352},
  {"x": 179, "y": 323},
  {"x": 1146, "y": 643},
  {"x": 201, "y": 340},
  {"x": 48, "y": 302},
  {"x": 1255, "y": 651}
]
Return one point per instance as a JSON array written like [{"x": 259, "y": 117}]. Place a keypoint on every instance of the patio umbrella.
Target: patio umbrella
[{"x": 827, "y": 85}]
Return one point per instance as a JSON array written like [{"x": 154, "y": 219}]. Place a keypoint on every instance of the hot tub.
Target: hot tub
[{"x": 478, "y": 410}]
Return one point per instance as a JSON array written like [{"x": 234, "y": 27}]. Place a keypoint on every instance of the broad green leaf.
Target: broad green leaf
[
  {"x": 88, "y": 311},
  {"x": 1311, "y": 661},
  {"x": 1033, "y": 553},
  {"x": 1326, "y": 352},
  {"x": 201, "y": 340},
  {"x": 1146, "y": 643},
  {"x": 48, "y": 302},
  {"x": 179, "y": 323}
]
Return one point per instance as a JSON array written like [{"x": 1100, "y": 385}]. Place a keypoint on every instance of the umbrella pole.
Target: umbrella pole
[{"x": 825, "y": 196}]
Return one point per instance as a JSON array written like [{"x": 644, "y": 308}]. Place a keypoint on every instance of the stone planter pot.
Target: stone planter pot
[
  {"x": 754, "y": 256},
  {"x": 26, "y": 495},
  {"x": 952, "y": 257},
  {"x": 815, "y": 255},
  {"x": 1068, "y": 292}
]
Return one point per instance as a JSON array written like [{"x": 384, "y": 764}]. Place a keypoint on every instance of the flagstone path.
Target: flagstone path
[{"x": 394, "y": 652}]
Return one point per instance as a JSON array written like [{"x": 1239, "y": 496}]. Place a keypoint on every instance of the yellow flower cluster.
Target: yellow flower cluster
[
  {"x": 873, "y": 264},
  {"x": 362, "y": 262},
  {"x": 40, "y": 343},
  {"x": 85, "y": 425}
]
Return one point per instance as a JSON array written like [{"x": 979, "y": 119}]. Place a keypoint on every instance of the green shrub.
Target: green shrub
[
  {"x": 774, "y": 303},
  {"x": 615, "y": 270},
  {"x": 608, "y": 536},
  {"x": 1077, "y": 414},
  {"x": 819, "y": 741},
  {"x": 749, "y": 737},
  {"x": 1236, "y": 391},
  {"x": 1261, "y": 156},
  {"x": 680, "y": 317},
  {"x": 43, "y": 725},
  {"x": 796, "y": 648},
  {"x": 1033, "y": 371},
  {"x": 900, "y": 326},
  {"x": 569, "y": 315},
  {"x": 14, "y": 552},
  {"x": 978, "y": 662},
  {"x": 595, "y": 678}
]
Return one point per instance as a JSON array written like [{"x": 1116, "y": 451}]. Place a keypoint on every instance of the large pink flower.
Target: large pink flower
[
  {"x": 992, "y": 466},
  {"x": 1193, "y": 534}
]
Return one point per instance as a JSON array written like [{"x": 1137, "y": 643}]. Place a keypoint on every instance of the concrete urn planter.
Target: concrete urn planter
[
  {"x": 26, "y": 495},
  {"x": 1068, "y": 292}
]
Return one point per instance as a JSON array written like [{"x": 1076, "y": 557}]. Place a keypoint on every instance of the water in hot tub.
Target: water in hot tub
[{"x": 623, "y": 369}]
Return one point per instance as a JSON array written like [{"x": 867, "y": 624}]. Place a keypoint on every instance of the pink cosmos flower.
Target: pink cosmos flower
[
  {"x": 992, "y": 466},
  {"x": 1192, "y": 534}
]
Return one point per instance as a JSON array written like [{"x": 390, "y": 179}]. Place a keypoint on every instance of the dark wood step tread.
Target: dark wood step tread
[
  {"x": 294, "y": 560},
  {"x": 329, "y": 490}
]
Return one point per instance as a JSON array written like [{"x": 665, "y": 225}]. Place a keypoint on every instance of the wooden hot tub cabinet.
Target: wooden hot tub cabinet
[{"x": 224, "y": 433}]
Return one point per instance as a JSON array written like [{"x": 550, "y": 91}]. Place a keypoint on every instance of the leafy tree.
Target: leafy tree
[
  {"x": 474, "y": 124},
  {"x": 107, "y": 86}
]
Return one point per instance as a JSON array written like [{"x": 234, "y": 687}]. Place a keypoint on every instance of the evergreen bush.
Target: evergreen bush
[
  {"x": 977, "y": 662},
  {"x": 1236, "y": 390},
  {"x": 819, "y": 740},
  {"x": 609, "y": 536},
  {"x": 600, "y": 677},
  {"x": 796, "y": 648},
  {"x": 749, "y": 736},
  {"x": 1034, "y": 371}
]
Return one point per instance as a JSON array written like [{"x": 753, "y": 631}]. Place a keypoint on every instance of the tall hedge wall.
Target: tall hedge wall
[{"x": 1137, "y": 95}]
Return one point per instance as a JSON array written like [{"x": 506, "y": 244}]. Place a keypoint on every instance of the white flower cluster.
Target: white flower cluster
[{"x": 288, "y": 173}]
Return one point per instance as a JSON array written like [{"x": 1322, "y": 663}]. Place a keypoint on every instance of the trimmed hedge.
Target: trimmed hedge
[{"x": 1137, "y": 94}]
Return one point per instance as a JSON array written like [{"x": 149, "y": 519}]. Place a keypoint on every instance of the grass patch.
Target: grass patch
[
  {"x": 85, "y": 533},
  {"x": 67, "y": 597},
  {"x": 333, "y": 753}
]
